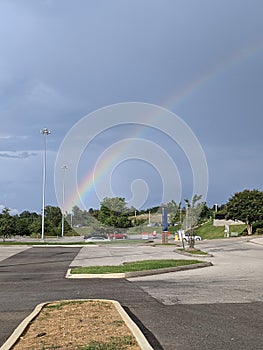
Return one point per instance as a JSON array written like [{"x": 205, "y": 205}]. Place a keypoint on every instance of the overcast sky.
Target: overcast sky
[{"x": 62, "y": 60}]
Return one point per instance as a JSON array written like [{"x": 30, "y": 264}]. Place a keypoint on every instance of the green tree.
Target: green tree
[
  {"x": 173, "y": 210},
  {"x": 24, "y": 222},
  {"x": 53, "y": 218},
  {"x": 113, "y": 212},
  {"x": 67, "y": 228},
  {"x": 77, "y": 215},
  {"x": 7, "y": 224},
  {"x": 206, "y": 212},
  {"x": 22, "y": 227},
  {"x": 246, "y": 206},
  {"x": 221, "y": 212},
  {"x": 35, "y": 226},
  {"x": 83, "y": 217},
  {"x": 94, "y": 212},
  {"x": 193, "y": 211},
  {"x": 25, "y": 214},
  {"x": 53, "y": 214}
]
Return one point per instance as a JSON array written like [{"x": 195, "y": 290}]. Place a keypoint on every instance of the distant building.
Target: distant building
[{"x": 218, "y": 222}]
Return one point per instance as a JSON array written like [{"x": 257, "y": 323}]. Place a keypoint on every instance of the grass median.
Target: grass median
[
  {"x": 193, "y": 251},
  {"x": 133, "y": 266}
]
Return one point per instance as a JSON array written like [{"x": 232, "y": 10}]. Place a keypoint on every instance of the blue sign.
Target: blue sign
[{"x": 164, "y": 218}]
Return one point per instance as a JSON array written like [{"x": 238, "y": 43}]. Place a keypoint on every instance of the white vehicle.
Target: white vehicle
[
  {"x": 97, "y": 239},
  {"x": 196, "y": 238},
  {"x": 181, "y": 235}
]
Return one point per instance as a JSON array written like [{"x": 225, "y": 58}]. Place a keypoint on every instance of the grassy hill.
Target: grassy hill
[{"x": 208, "y": 231}]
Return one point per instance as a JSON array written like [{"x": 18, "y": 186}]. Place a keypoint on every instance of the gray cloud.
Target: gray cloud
[
  {"x": 62, "y": 60},
  {"x": 17, "y": 155}
]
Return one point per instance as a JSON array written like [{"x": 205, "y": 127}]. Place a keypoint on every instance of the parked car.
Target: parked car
[
  {"x": 97, "y": 239},
  {"x": 118, "y": 235}
]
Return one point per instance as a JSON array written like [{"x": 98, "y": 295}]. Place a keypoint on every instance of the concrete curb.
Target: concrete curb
[
  {"x": 139, "y": 273},
  {"x": 194, "y": 255},
  {"x": 138, "y": 335},
  {"x": 258, "y": 241},
  {"x": 21, "y": 327}
]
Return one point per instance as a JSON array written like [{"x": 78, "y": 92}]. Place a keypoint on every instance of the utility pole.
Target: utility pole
[
  {"x": 64, "y": 168},
  {"x": 44, "y": 132}
]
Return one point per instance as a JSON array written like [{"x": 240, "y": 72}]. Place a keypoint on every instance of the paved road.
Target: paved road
[
  {"x": 236, "y": 277},
  {"x": 37, "y": 275},
  {"x": 176, "y": 311}
]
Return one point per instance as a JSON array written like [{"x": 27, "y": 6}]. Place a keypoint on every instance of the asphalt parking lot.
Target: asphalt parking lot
[{"x": 219, "y": 307}]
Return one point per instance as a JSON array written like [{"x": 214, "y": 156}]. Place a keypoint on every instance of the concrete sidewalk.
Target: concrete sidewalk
[
  {"x": 258, "y": 240},
  {"x": 9, "y": 250}
]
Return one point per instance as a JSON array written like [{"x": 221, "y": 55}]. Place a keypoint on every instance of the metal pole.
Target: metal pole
[
  {"x": 44, "y": 132},
  {"x": 63, "y": 200}
]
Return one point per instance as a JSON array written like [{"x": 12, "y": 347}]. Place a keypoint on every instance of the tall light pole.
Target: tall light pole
[
  {"x": 44, "y": 132},
  {"x": 64, "y": 168}
]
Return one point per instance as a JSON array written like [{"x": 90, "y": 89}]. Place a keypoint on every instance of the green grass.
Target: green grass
[
  {"x": 133, "y": 266},
  {"x": 116, "y": 343},
  {"x": 172, "y": 244},
  {"x": 58, "y": 306},
  {"x": 194, "y": 252},
  {"x": 83, "y": 231},
  {"x": 208, "y": 231}
]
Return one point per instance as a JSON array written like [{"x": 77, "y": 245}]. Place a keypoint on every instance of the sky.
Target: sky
[{"x": 193, "y": 68}]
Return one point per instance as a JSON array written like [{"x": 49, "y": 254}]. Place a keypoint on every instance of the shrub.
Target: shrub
[
  {"x": 256, "y": 225},
  {"x": 259, "y": 231},
  {"x": 220, "y": 216}
]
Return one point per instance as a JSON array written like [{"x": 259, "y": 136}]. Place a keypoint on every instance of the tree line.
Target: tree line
[
  {"x": 114, "y": 214},
  {"x": 30, "y": 223}
]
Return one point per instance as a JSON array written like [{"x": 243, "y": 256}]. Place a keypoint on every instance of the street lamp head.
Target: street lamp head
[{"x": 45, "y": 131}]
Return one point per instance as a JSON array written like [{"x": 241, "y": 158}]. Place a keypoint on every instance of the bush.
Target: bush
[
  {"x": 259, "y": 231},
  {"x": 220, "y": 216},
  {"x": 256, "y": 225}
]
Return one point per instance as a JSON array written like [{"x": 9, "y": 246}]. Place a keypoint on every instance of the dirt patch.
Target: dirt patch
[{"x": 78, "y": 325}]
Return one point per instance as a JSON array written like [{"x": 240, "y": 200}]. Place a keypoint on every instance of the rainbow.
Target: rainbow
[
  {"x": 239, "y": 57},
  {"x": 212, "y": 73},
  {"x": 87, "y": 183}
]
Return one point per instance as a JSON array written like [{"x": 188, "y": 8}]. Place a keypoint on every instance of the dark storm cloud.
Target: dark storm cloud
[{"x": 61, "y": 60}]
